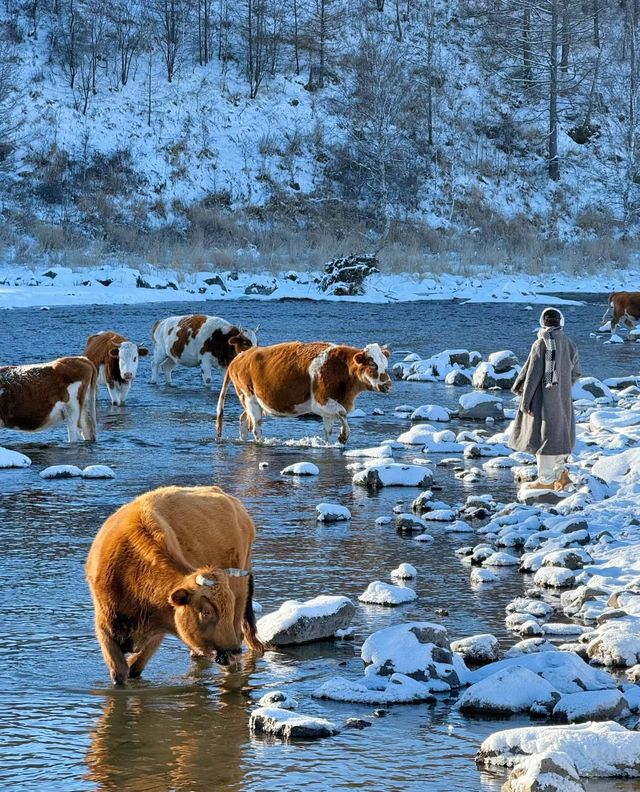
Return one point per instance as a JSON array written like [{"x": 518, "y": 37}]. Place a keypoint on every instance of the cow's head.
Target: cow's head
[
  {"x": 204, "y": 608},
  {"x": 371, "y": 365},
  {"x": 127, "y": 354},
  {"x": 242, "y": 339}
]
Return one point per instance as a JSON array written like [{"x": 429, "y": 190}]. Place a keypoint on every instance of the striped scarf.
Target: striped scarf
[{"x": 546, "y": 334}]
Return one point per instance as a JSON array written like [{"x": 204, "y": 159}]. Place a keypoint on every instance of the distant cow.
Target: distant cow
[
  {"x": 296, "y": 379},
  {"x": 116, "y": 359},
  {"x": 176, "y": 560},
  {"x": 42, "y": 395},
  {"x": 197, "y": 340},
  {"x": 625, "y": 306}
]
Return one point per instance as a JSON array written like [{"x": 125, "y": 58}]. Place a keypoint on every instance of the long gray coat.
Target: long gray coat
[{"x": 551, "y": 428}]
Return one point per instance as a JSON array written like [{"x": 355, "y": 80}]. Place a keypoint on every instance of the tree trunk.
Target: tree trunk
[
  {"x": 596, "y": 23},
  {"x": 527, "y": 57},
  {"x": 295, "y": 35},
  {"x": 554, "y": 166},
  {"x": 566, "y": 36},
  {"x": 323, "y": 33},
  {"x": 398, "y": 25}
]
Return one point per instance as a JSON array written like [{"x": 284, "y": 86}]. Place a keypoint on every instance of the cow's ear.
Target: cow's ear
[
  {"x": 386, "y": 351},
  {"x": 179, "y": 596},
  {"x": 143, "y": 351},
  {"x": 359, "y": 358},
  {"x": 114, "y": 352},
  {"x": 234, "y": 340}
]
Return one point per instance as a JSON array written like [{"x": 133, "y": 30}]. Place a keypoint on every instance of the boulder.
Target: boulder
[
  {"x": 394, "y": 475},
  {"x": 381, "y": 593},
  {"x": 479, "y": 406},
  {"x": 459, "y": 377},
  {"x": 486, "y": 377},
  {"x": 503, "y": 361},
  {"x": 296, "y": 622},
  {"x": 290, "y": 725},
  {"x": 590, "y": 705},
  {"x": 477, "y": 649},
  {"x": 510, "y": 690},
  {"x": 550, "y": 771}
]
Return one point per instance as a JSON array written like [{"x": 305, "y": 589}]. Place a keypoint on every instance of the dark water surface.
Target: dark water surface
[{"x": 184, "y": 727}]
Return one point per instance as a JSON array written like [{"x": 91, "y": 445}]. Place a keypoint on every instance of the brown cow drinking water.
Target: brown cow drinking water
[
  {"x": 176, "y": 560},
  {"x": 625, "y": 306},
  {"x": 42, "y": 395},
  {"x": 296, "y": 379}
]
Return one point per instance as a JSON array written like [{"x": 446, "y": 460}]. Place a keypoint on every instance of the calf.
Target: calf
[
  {"x": 37, "y": 397},
  {"x": 626, "y": 306},
  {"x": 176, "y": 560},
  {"x": 116, "y": 359},
  {"x": 295, "y": 379},
  {"x": 197, "y": 340}
]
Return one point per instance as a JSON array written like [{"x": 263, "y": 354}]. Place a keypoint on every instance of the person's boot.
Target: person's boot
[
  {"x": 564, "y": 481},
  {"x": 541, "y": 485}
]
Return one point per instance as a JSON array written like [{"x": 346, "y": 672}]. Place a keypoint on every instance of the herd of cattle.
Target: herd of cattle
[
  {"x": 288, "y": 379},
  {"x": 177, "y": 560}
]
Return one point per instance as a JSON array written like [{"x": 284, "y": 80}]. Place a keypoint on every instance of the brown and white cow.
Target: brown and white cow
[
  {"x": 175, "y": 560},
  {"x": 197, "y": 340},
  {"x": 295, "y": 378},
  {"x": 42, "y": 395},
  {"x": 116, "y": 359},
  {"x": 625, "y": 306}
]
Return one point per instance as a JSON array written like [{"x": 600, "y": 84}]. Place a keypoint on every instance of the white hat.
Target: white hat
[{"x": 550, "y": 308}]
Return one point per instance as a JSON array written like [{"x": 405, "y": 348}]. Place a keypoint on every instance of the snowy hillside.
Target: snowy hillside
[{"x": 310, "y": 130}]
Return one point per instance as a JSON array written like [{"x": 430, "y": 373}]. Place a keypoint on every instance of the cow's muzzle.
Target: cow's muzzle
[
  {"x": 127, "y": 377},
  {"x": 385, "y": 387},
  {"x": 225, "y": 657}
]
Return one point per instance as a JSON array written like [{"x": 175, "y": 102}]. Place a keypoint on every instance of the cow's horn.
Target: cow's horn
[
  {"x": 201, "y": 580},
  {"x": 233, "y": 572}
]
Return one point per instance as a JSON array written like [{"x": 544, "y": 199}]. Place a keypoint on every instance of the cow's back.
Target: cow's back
[
  {"x": 29, "y": 394},
  {"x": 99, "y": 345},
  {"x": 168, "y": 530}
]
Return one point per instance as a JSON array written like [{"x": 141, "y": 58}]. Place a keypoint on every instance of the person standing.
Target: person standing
[{"x": 545, "y": 422}]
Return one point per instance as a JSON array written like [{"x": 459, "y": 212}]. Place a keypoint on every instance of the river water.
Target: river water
[{"x": 184, "y": 726}]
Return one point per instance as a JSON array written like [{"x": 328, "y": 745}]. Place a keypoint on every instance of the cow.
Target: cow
[
  {"x": 42, "y": 395},
  {"x": 298, "y": 378},
  {"x": 197, "y": 340},
  {"x": 175, "y": 560},
  {"x": 116, "y": 359},
  {"x": 625, "y": 306}
]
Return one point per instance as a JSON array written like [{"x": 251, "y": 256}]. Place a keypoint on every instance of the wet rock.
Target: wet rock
[
  {"x": 591, "y": 705},
  {"x": 486, "y": 377},
  {"x": 503, "y": 361},
  {"x": 509, "y": 690},
  {"x": 480, "y": 406},
  {"x": 409, "y": 523},
  {"x": 458, "y": 377},
  {"x": 357, "y": 723},
  {"x": 290, "y": 725}
]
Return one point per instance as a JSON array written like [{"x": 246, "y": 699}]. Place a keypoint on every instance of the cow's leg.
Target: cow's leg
[
  {"x": 114, "y": 393},
  {"x": 205, "y": 366},
  {"x": 72, "y": 412},
  {"x": 328, "y": 422},
  {"x": 254, "y": 412},
  {"x": 124, "y": 389},
  {"x": 158, "y": 359},
  {"x": 167, "y": 367},
  {"x": 139, "y": 659},
  {"x": 617, "y": 314},
  {"x": 629, "y": 321},
  {"x": 344, "y": 427},
  {"x": 113, "y": 656},
  {"x": 244, "y": 425}
]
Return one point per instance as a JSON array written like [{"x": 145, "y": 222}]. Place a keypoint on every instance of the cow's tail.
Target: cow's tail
[
  {"x": 609, "y": 307},
  {"x": 249, "y": 623},
  {"x": 220, "y": 408},
  {"x": 88, "y": 418}
]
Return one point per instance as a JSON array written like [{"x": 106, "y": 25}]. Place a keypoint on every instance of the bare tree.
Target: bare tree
[
  {"x": 256, "y": 44},
  {"x": 127, "y": 31},
  {"x": 169, "y": 18}
]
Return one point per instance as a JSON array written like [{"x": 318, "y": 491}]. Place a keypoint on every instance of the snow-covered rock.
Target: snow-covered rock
[
  {"x": 590, "y": 705},
  {"x": 373, "y": 452},
  {"x": 483, "y": 576},
  {"x": 300, "y": 469},
  {"x": 396, "y": 689},
  {"x": 61, "y": 472},
  {"x": 598, "y": 750},
  {"x": 431, "y": 412},
  {"x": 381, "y": 593},
  {"x": 486, "y": 376},
  {"x": 332, "y": 512},
  {"x": 404, "y": 572},
  {"x": 417, "y": 649},
  {"x": 549, "y": 771},
  {"x": 296, "y": 622},
  {"x": 290, "y": 725},
  {"x": 477, "y": 649},
  {"x": 509, "y": 690},
  {"x": 408, "y": 523},
  {"x": 13, "y": 459},
  {"x": 98, "y": 472},
  {"x": 276, "y": 698},
  {"x": 590, "y": 389},
  {"x": 480, "y": 406},
  {"x": 394, "y": 475},
  {"x": 554, "y": 577},
  {"x": 503, "y": 361}
]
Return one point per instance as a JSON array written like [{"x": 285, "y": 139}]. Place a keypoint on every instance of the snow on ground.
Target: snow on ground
[{"x": 21, "y": 287}]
